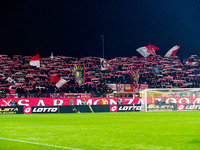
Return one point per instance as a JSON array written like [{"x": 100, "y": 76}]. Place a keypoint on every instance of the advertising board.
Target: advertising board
[
  {"x": 45, "y": 109},
  {"x": 11, "y": 110},
  {"x": 65, "y": 101},
  {"x": 192, "y": 107},
  {"x": 166, "y": 107}
]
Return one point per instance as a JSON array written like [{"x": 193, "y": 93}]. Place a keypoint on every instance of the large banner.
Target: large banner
[
  {"x": 124, "y": 88},
  {"x": 79, "y": 73},
  {"x": 65, "y": 101},
  {"x": 178, "y": 100},
  {"x": 93, "y": 101}
]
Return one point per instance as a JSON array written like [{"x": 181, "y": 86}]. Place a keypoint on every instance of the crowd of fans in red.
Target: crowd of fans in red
[{"x": 16, "y": 76}]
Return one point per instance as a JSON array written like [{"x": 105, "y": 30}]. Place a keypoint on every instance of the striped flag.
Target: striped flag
[{"x": 35, "y": 61}]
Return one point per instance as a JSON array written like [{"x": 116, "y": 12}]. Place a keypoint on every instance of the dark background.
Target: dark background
[{"x": 74, "y": 28}]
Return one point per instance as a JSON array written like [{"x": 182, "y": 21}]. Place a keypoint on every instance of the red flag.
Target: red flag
[
  {"x": 58, "y": 80},
  {"x": 145, "y": 51},
  {"x": 151, "y": 49},
  {"x": 35, "y": 61},
  {"x": 134, "y": 76},
  {"x": 172, "y": 51}
]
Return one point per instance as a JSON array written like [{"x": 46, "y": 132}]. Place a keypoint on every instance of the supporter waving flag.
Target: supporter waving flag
[
  {"x": 145, "y": 51},
  {"x": 104, "y": 64},
  {"x": 79, "y": 73},
  {"x": 172, "y": 51},
  {"x": 35, "y": 61},
  {"x": 134, "y": 76},
  {"x": 58, "y": 80}
]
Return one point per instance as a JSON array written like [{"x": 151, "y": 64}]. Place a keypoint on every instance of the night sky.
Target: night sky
[{"x": 28, "y": 27}]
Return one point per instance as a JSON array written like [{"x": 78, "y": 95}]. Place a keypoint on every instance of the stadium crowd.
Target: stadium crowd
[{"x": 17, "y": 76}]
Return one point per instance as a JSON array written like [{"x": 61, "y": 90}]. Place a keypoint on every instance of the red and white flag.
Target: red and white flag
[
  {"x": 58, "y": 80},
  {"x": 172, "y": 51},
  {"x": 145, "y": 51},
  {"x": 191, "y": 63},
  {"x": 35, "y": 61},
  {"x": 104, "y": 64}
]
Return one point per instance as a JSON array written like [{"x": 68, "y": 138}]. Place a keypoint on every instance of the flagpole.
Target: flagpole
[{"x": 102, "y": 44}]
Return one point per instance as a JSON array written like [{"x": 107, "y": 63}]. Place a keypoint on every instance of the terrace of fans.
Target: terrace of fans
[{"x": 25, "y": 79}]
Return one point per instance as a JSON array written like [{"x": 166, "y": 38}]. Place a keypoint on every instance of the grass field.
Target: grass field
[{"x": 101, "y": 131}]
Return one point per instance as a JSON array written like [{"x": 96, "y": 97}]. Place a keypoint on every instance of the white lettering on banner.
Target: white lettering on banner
[
  {"x": 192, "y": 107},
  {"x": 169, "y": 99},
  {"x": 140, "y": 101},
  {"x": 197, "y": 100},
  {"x": 20, "y": 102},
  {"x": 125, "y": 107},
  {"x": 55, "y": 102},
  {"x": 7, "y": 103},
  {"x": 89, "y": 102},
  {"x": 112, "y": 102},
  {"x": 130, "y": 101},
  {"x": 158, "y": 99},
  {"x": 96, "y": 101},
  {"x": 187, "y": 100},
  {"x": 137, "y": 107},
  {"x": 78, "y": 101},
  {"x": 40, "y": 103},
  {"x": 45, "y": 109}
]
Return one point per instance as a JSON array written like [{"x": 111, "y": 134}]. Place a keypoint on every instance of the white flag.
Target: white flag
[
  {"x": 172, "y": 51},
  {"x": 143, "y": 51},
  {"x": 35, "y": 61},
  {"x": 58, "y": 80},
  {"x": 104, "y": 64}
]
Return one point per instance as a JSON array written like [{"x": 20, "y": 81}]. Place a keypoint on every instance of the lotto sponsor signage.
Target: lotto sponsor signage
[
  {"x": 11, "y": 110},
  {"x": 113, "y": 108},
  {"x": 180, "y": 107},
  {"x": 46, "y": 109},
  {"x": 27, "y": 110},
  {"x": 125, "y": 108},
  {"x": 192, "y": 107},
  {"x": 137, "y": 107}
]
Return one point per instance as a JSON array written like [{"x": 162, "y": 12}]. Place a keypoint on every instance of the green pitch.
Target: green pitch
[{"x": 101, "y": 131}]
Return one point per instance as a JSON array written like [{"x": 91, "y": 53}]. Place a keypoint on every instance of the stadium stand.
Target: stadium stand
[{"x": 16, "y": 76}]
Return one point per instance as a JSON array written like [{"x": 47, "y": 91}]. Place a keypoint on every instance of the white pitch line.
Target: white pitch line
[{"x": 1, "y": 138}]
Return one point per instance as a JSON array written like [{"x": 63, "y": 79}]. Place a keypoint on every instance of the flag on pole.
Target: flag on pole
[
  {"x": 51, "y": 55},
  {"x": 145, "y": 51},
  {"x": 191, "y": 63},
  {"x": 172, "y": 51},
  {"x": 35, "y": 61},
  {"x": 58, "y": 80},
  {"x": 79, "y": 73},
  {"x": 104, "y": 64},
  {"x": 134, "y": 77}
]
